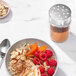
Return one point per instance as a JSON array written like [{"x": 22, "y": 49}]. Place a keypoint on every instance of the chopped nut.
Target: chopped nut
[{"x": 3, "y": 9}]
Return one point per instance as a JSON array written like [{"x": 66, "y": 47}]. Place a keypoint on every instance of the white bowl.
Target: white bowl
[
  {"x": 8, "y": 9},
  {"x": 30, "y": 41}
]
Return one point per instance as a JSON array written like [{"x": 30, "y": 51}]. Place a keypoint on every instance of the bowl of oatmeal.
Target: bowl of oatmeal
[
  {"x": 4, "y": 9},
  {"x": 31, "y": 57}
]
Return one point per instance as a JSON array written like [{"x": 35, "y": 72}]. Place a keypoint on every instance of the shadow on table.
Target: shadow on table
[
  {"x": 60, "y": 73},
  {"x": 7, "y": 18},
  {"x": 69, "y": 46}
]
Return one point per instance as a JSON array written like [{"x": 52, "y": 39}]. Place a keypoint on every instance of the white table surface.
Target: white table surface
[{"x": 29, "y": 19}]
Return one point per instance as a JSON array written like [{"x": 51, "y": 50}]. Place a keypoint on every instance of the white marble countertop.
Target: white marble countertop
[{"x": 30, "y": 19}]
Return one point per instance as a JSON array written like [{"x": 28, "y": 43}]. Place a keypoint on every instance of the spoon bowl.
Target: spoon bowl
[{"x": 4, "y": 45}]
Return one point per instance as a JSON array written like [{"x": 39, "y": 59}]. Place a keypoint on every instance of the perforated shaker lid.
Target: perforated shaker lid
[{"x": 60, "y": 15}]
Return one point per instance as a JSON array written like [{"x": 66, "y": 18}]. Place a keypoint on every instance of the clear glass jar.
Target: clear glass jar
[{"x": 60, "y": 19}]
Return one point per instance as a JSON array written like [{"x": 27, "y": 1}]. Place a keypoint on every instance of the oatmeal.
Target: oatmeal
[{"x": 32, "y": 60}]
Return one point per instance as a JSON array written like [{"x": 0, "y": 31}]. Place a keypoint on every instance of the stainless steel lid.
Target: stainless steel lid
[{"x": 60, "y": 15}]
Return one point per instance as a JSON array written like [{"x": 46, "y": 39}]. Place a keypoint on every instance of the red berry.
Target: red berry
[
  {"x": 52, "y": 62},
  {"x": 50, "y": 71},
  {"x": 43, "y": 74},
  {"x": 36, "y": 61},
  {"x": 49, "y": 53},
  {"x": 43, "y": 56},
  {"x": 46, "y": 63},
  {"x": 37, "y": 53},
  {"x": 42, "y": 69}
]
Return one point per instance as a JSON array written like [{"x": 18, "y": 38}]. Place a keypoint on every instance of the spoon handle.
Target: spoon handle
[
  {"x": 1, "y": 61},
  {"x": 1, "y": 58}
]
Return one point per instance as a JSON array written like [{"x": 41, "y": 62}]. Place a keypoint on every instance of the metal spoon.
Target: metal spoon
[{"x": 3, "y": 49}]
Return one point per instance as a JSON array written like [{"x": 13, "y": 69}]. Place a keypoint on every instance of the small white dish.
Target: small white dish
[{"x": 3, "y": 2}]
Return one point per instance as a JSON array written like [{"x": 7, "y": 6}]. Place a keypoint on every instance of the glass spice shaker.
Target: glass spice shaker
[{"x": 60, "y": 19}]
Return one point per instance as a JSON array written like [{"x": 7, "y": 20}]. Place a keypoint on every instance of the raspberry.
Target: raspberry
[
  {"x": 36, "y": 61},
  {"x": 50, "y": 71},
  {"x": 46, "y": 63},
  {"x": 43, "y": 75},
  {"x": 49, "y": 53},
  {"x": 37, "y": 53},
  {"x": 42, "y": 69},
  {"x": 43, "y": 56},
  {"x": 52, "y": 62}
]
